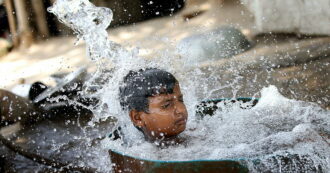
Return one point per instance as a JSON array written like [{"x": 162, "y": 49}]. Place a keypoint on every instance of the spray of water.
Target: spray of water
[{"x": 274, "y": 128}]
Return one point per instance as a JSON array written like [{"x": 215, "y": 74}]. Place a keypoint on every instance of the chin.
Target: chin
[
  {"x": 177, "y": 132},
  {"x": 181, "y": 129}
]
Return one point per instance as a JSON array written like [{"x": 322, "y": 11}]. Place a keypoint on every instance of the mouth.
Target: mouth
[{"x": 181, "y": 121}]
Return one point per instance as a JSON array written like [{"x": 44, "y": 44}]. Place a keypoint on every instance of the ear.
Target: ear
[{"x": 136, "y": 118}]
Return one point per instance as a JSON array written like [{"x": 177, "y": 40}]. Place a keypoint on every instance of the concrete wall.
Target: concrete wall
[{"x": 298, "y": 16}]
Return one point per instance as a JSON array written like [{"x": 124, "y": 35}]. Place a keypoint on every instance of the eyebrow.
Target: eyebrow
[{"x": 171, "y": 99}]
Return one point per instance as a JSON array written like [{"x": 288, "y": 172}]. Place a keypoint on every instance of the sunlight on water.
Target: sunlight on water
[{"x": 275, "y": 127}]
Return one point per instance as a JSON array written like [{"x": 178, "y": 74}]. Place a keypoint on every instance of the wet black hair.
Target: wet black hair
[{"x": 139, "y": 85}]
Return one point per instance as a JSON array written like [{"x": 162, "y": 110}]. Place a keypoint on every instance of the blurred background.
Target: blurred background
[
  {"x": 293, "y": 35},
  {"x": 24, "y": 22}
]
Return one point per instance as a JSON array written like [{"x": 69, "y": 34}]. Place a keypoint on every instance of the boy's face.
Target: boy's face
[{"x": 167, "y": 115}]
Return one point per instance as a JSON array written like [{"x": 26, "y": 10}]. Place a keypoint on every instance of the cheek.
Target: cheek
[{"x": 160, "y": 123}]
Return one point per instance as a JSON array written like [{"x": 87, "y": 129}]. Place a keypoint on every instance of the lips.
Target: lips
[{"x": 181, "y": 121}]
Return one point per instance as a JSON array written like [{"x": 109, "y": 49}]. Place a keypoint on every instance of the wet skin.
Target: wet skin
[{"x": 167, "y": 116}]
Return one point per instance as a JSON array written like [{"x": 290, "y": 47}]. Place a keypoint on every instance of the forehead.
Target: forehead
[{"x": 162, "y": 97}]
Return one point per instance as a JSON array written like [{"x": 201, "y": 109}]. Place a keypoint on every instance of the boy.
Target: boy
[{"x": 155, "y": 103}]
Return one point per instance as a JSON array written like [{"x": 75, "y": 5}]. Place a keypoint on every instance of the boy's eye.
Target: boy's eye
[{"x": 166, "y": 105}]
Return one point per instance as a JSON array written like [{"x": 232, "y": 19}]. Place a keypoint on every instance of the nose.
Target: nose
[{"x": 180, "y": 110}]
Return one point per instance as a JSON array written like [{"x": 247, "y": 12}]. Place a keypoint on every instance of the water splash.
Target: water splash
[
  {"x": 89, "y": 23},
  {"x": 275, "y": 127}
]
